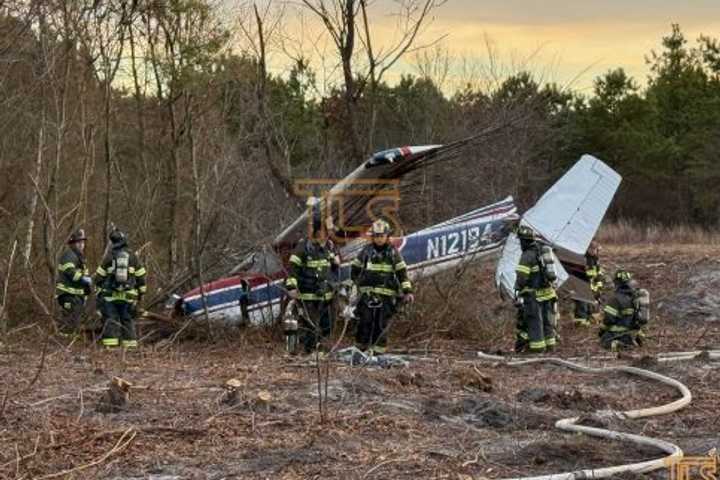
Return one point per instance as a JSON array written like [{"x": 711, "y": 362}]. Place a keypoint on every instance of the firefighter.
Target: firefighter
[
  {"x": 596, "y": 277},
  {"x": 534, "y": 289},
  {"x": 380, "y": 274},
  {"x": 74, "y": 283},
  {"x": 312, "y": 267},
  {"x": 121, "y": 280},
  {"x": 624, "y": 315}
]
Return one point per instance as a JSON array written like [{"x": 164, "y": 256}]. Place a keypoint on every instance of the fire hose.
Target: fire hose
[{"x": 674, "y": 452}]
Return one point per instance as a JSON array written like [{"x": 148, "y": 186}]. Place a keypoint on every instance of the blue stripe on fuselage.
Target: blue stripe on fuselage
[
  {"x": 418, "y": 249},
  {"x": 232, "y": 296}
]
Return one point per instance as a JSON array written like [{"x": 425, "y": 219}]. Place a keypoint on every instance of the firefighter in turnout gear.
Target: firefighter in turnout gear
[
  {"x": 380, "y": 274},
  {"x": 534, "y": 289},
  {"x": 625, "y": 314},
  {"x": 74, "y": 283},
  {"x": 313, "y": 265},
  {"x": 596, "y": 277},
  {"x": 121, "y": 280}
]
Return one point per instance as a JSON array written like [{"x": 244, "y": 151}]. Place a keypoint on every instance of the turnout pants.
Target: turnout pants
[
  {"x": 583, "y": 310},
  {"x": 316, "y": 323},
  {"x": 537, "y": 316},
  {"x": 374, "y": 313},
  {"x": 522, "y": 339},
  {"x": 119, "y": 326},
  {"x": 71, "y": 310},
  {"x": 620, "y": 340}
]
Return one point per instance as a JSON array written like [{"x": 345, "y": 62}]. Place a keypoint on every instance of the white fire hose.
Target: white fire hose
[{"x": 570, "y": 424}]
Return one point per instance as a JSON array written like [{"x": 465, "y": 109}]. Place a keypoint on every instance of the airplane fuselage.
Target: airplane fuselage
[{"x": 256, "y": 299}]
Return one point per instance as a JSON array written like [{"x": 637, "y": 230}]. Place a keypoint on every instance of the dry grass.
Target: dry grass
[
  {"x": 441, "y": 417},
  {"x": 626, "y": 232}
]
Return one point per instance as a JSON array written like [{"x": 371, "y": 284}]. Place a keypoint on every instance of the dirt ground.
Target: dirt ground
[{"x": 445, "y": 415}]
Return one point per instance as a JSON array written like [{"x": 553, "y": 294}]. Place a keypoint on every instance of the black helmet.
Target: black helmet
[
  {"x": 527, "y": 238},
  {"x": 526, "y": 233},
  {"x": 118, "y": 238},
  {"x": 77, "y": 236}
]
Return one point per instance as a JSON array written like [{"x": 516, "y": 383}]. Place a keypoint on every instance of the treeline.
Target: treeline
[{"x": 153, "y": 116}]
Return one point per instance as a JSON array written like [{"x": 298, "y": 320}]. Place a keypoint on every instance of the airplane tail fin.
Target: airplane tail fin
[{"x": 568, "y": 215}]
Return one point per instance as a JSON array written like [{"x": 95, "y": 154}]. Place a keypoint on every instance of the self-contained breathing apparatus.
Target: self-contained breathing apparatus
[
  {"x": 546, "y": 259},
  {"x": 641, "y": 302},
  {"x": 290, "y": 325}
]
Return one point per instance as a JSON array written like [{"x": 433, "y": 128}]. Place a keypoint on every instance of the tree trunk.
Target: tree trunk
[
  {"x": 108, "y": 160},
  {"x": 173, "y": 171},
  {"x": 27, "y": 249},
  {"x": 197, "y": 206},
  {"x": 53, "y": 198},
  {"x": 346, "y": 52}
]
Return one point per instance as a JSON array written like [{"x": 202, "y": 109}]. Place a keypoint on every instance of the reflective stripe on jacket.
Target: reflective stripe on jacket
[
  {"x": 530, "y": 279},
  {"x": 380, "y": 270},
  {"x": 311, "y": 268},
  {"x": 71, "y": 268},
  {"x": 130, "y": 291}
]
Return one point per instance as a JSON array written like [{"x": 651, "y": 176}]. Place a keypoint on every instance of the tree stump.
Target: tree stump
[
  {"x": 116, "y": 397},
  {"x": 232, "y": 392}
]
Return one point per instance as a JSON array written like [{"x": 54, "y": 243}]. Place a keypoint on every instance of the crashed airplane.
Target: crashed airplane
[{"x": 567, "y": 217}]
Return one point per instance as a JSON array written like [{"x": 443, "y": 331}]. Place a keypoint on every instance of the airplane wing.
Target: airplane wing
[
  {"x": 567, "y": 216},
  {"x": 378, "y": 176}
]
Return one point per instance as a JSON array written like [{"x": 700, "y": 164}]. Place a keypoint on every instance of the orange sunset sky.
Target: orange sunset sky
[{"x": 573, "y": 41}]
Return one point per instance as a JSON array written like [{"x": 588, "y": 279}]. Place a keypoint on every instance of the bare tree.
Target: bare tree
[
  {"x": 257, "y": 28},
  {"x": 348, "y": 23},
  {"x": 104, "y": 32}
]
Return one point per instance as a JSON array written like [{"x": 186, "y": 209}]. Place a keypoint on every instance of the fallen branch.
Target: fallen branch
[
  {"x": 39, "y": 368},
  {"x": 380, "y": 465},
  {"x": 119, "y": 446},
  {"x": 25, "y": 457}
]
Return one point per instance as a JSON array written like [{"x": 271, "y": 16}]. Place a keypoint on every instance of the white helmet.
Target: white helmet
[{"x": 380, "y": 227}]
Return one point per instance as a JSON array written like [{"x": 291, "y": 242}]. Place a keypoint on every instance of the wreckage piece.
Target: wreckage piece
[
  {"x": 254, "y": 296},
  {"x": 377, "y": 174},
  {"x": 255, "y": 299},
  {"x": 356, "y": 357},
  {"x": 675, "y": 454},
  {"x": 570, "y": 212},
  {"x": 382, "y": 172},
  {"x": 566, "y": 217}
]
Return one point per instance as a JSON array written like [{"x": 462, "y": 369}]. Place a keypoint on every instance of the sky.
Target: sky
[
  {"x": 573, "y": 37},
  {"x": 568, "y": 42}
]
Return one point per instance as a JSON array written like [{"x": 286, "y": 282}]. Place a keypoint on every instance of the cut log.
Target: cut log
[{"x": 117, "y": 396}]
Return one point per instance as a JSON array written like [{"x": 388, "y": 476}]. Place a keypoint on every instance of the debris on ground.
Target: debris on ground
[
  {"x": 239, "y": 407},
  {"x": 355, "y": 356}
]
